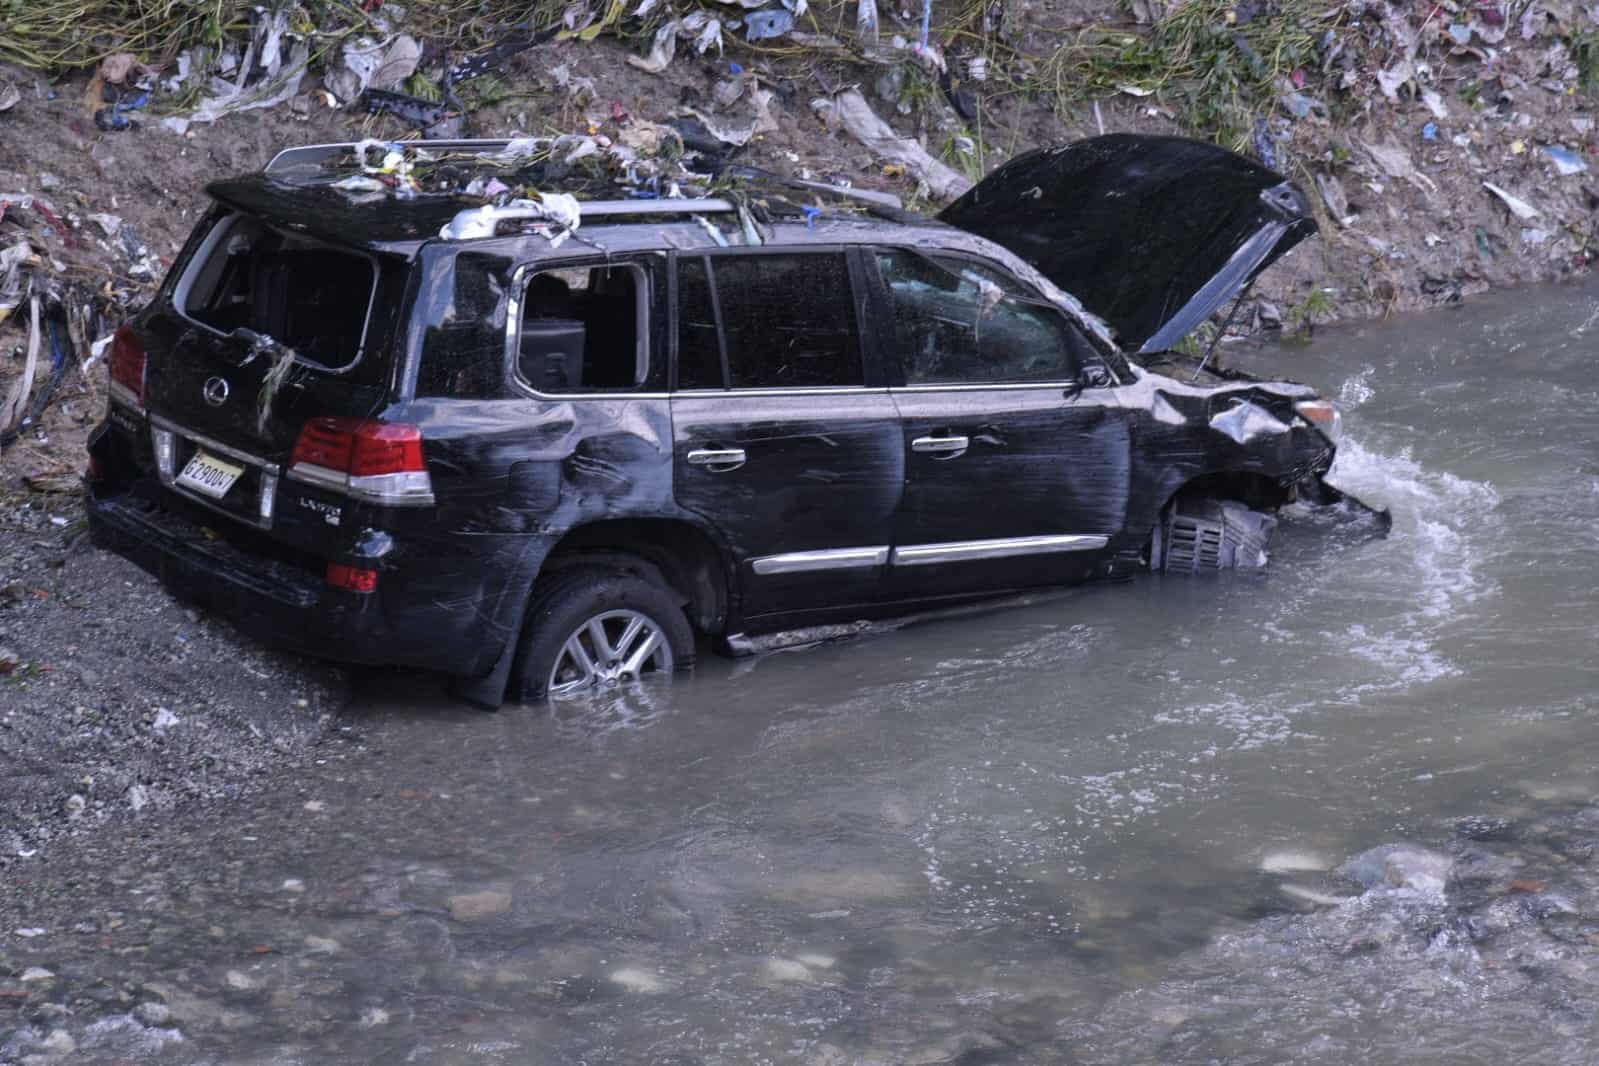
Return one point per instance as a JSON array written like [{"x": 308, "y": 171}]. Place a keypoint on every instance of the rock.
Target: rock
[
  {"x": 153, "y": 1013},
  {"x": 1399, "y": 866},
  {"x": 317, "y": 945},
  {"x": 373, "y": 1017},
  {"x": 60, "y": 1042},
  {"x": 636, "y": 980},
  {"x": 818, "y": 962},
  {"x": 786, "y": 970},
  {"x": 1293, "y": 861},
  {"x": 241, "y": 981},
  {"x": 474, "y": 906}
]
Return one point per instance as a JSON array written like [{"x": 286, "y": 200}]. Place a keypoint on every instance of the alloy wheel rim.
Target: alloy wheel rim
[{"x": 609, "y": 649}]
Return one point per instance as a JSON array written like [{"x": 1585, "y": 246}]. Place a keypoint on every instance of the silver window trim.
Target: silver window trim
[
  {"x": 829, "y": 559},
  {"x": 955, "y": 551}
]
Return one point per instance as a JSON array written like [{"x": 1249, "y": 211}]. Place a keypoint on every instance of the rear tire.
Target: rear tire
[{"x": 592, "y": 628}]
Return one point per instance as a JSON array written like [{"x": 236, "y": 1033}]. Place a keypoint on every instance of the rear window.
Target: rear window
[
  {"x": 767, "y": 321},
  {"x": 308, "y": 296},
  {"x": 585, "y": 328}
]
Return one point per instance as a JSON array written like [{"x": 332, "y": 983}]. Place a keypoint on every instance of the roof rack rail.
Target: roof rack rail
[
  {"x": 474, "y": 222},
  {"x": 317, "y": 153}
]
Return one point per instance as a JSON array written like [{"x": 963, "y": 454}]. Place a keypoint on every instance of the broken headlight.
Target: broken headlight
[{"x": 1323, "y": 415}]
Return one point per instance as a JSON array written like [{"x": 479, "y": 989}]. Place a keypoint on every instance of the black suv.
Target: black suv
[{"x": 538, "y": 442}]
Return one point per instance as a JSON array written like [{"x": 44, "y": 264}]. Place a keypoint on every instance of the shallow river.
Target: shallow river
[{"x": 1086, "y": 830}]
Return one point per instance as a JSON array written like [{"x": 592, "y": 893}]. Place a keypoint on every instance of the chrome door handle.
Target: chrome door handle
[
  {"x": 941, "y": 447},
  {"x": 718, "y": 460}
]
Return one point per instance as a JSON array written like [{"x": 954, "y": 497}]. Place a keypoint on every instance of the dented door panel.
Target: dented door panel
[
  {"x": 819, "y": 471},
  {"x": 1035, "y": 464},
  {"x": 513, "y": 476}
]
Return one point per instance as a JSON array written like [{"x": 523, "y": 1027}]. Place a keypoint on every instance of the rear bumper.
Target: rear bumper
[{"x": 275, "y": 601}]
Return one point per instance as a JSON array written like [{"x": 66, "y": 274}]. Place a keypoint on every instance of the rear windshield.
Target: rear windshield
[{"x": 308, "y": 296}]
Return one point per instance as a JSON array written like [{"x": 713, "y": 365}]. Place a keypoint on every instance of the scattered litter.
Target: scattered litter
[
  {"x": 850, "y": 110},
  {"x": 10, "y": 95},
  {"x": 1520, "y": 208},
  {"x": 1395, "y": 162},
  {"x": 765, "y": 25},
  {"x": 280, "y": 78},
  {"x": 1429, "y": 132},
  {"x": 1566, "y": 161}
]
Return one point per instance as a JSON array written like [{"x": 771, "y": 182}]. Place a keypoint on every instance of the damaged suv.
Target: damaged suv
[{"x": 539, "y": 443}]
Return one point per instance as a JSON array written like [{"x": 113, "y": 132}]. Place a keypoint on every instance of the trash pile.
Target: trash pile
[{"x": 66, "y": 278}]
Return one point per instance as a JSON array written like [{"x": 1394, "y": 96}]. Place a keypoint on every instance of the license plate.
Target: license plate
[{"x": 209, "y": 475}]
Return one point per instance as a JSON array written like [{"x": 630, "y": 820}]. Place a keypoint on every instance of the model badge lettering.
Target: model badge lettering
[{"x": 330, "y": 514}]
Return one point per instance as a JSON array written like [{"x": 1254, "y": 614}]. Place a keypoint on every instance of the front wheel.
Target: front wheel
[{"x": 596, "y": 629}]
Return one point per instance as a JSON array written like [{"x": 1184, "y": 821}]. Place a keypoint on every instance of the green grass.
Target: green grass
[{"x": 1216, "y": 76}]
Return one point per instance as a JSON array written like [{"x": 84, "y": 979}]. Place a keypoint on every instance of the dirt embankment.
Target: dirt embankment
[{"x": 1447, "y": 147}]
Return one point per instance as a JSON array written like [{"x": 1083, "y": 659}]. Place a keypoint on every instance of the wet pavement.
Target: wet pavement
[{"x": 1103, "y": 828}]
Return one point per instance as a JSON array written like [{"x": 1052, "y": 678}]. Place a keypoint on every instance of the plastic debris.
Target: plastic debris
[
  {"x": 1566, "y": 161},
  {"x": 1395, "y": 162},
  {"x": 281, "y": 76},
  {"x": 765, "y": 25},
  {"x": 11, "y": 406},
  {"x": 1429, "y": 132},
  {"x": 10, "y": 95},
  {"x": 366, "y": 64},
  {"x": 850, "y": 110},
  {"x": 115, "y": 117},
  {"x": 866, "y": 25},
  {"x": 1520, "y": 208}
]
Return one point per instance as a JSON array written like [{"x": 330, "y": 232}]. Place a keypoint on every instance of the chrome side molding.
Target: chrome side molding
[
  {"x": 957, "y": 551},
  {"x": 831, "y": 559}
]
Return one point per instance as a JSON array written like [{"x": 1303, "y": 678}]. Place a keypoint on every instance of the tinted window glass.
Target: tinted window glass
[
  {"x": 788, "y": 321},
  {"x": 958, "y": 323},
  {"x": 699, "y": 360}
]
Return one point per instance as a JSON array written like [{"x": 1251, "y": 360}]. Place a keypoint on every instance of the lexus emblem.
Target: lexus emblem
[{"x": 215, "y": 391}]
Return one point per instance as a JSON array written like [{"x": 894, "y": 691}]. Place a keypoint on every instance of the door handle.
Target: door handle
[
  {"x": 717, "y": 460},
  {"x": 941, "y": 447}
]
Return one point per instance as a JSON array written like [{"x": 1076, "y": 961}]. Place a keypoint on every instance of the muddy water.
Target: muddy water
[{"x": 1088, "y": 830}]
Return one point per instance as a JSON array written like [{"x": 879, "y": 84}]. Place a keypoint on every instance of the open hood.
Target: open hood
[{"x": 1153, "y": 234}]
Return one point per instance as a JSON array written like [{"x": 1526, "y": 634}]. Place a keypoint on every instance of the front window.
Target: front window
[{"x": 957, "y": 322}]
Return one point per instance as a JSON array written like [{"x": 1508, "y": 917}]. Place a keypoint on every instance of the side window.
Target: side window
[
  {"x": 699, "y": 346},
  {"x": 585, "y": 329},
  {"x": 959, "y": 323},
  {"x": 767, "y": 321}
]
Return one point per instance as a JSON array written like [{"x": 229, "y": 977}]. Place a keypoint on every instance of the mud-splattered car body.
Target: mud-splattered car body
[{"x": 783, "y": 434}]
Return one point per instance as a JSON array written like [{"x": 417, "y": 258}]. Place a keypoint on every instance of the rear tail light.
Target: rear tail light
[
  {"x": 352, "y": 578},
  {"x": 127, "y": 368},
  {"x": 381, "y": 462}
]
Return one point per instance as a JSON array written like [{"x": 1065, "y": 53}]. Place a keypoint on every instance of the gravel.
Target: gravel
[{"x": 118, "y": 703}]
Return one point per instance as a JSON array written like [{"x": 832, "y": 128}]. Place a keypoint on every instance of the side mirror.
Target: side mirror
[{"x": 1092, "y": 376}]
